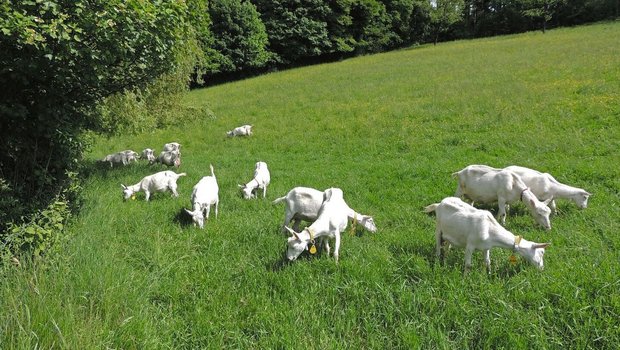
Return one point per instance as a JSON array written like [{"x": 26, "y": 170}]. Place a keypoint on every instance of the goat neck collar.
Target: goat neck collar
[
  {"x": 517, "y": 242},
  {"x": 521, "y": 196},
  {"x": 311, "y": 232}
]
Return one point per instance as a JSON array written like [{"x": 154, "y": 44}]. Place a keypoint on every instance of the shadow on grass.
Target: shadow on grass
[{"x": 182, "y": 218}]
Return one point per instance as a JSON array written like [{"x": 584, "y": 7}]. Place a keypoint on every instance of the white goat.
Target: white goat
[
  {"x": 169, "y": 158},
  {"x": 172, "y": 146},
  {"x": 332, "y": 220},
  {"x": 544, "y": 186},
  {"x": 260, "y": 181},
  {"x": 204, "y": 195},
  {"x": 148, "y": 154},
  {"x": 158, "y": 182},
  {"x": 122, "y": 157},
  {"x": 465, "y": 226},
  {"x": 481, "y": 183},
  {"x": 244, "y": 130},
  {"x": 303, "y": 203}
]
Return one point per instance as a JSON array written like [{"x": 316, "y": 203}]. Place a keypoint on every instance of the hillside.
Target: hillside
[{"x": 388, "y": 129}]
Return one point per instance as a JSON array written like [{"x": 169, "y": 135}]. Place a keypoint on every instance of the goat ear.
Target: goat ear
[
  {"x": 189, "y": 212},
  {"x": 293, "y": 233},
  {"x": 540, "y": 245},
  {"x": 123, "y": 186},
  {"x": 240, "y": 186},
  {"x": 546, "y": 202}
]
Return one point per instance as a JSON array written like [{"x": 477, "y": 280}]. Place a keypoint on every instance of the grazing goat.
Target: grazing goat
[
  {"x": 158, "y": 182},
  {"x": 260, "y": 181},
  {"x": 544, "y": 186},
  {"x": 474, "y": 229},
  {"x": 244, "y": 130},
  {"x": 169, "y": 158},
  {"x": 332, "y": 220},
  {"x": 303, "y": 203},
  {"x": 484, "y": 184},
  {"x": 148, "y": 154},
  {"x": 122, "y": 157},
  {"x": 204, "y": 195},
  {"x": 172, "y": 146}
]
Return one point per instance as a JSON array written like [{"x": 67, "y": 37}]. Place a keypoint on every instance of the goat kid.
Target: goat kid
[
  {"x": 169, "y": 158},
  {"x": 464, "y": 226}
]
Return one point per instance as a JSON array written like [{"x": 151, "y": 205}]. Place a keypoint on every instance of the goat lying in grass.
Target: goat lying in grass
[
  {"x": 303, "y": 203},
  {"x": 473, "y": 229},
  {"x": 481, "y": 183},
  {"x": 204, "y": 195},
  {"x": 244, "y": 130},
  {"x": 158, "y": 182},
  {"x": 261, "y": 180},
  {"x": 332, "y": 220},
  {"x": 148, "y": 154}
]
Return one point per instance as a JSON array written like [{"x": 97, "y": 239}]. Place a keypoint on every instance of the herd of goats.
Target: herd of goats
[{"x": 457, "y": 222}]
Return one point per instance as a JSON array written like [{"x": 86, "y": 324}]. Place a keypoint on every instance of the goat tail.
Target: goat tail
[
  {"x": 454, "y": 175},
  {"x": 212, "y": 173},
  {"x": 431, "y": 208},
  {"x": 278, "y": 200},
  {"x": 181, "y": 174}
]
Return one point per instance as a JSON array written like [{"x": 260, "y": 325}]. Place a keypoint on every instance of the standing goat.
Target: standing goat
[
  {"x": 545, "y": 186},
  {"x": 204, "y": 195},
  {"x": 473, "y": 229},
  {"x": 303, "y": 203},
  {"x": 158, "y": 182},
  {"x": 260, "y": 181},
  {"x": 481, "y": 183},
  {"x": 332, "y": 220}
]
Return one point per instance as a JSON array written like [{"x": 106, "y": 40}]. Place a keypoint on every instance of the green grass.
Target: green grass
[{"x": 388, "y": 129}]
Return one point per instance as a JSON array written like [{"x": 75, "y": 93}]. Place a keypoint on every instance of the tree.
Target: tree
[
  {"x": 58, "y": 59},
  {"x": 239, "y": 35},
  {"x": 297, "y": 28},
  {"x": 444, "y": 14},
  {"x": 542, "y": 10}
]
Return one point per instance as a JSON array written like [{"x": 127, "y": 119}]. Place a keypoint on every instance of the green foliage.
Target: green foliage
[
  {"x": 58, "y": 59},
  {"x": 388, "y": 129},
  {"x": 297, "y": 29},
  {"x": 239, "y": 34},
  {"x": 444, "y": 14}
]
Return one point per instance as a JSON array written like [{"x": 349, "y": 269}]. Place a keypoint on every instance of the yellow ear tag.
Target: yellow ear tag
[
  {"x": 313, "y": 249},
  {"x": 512, "y": 259},
  {"x": 133, "y": 197}
]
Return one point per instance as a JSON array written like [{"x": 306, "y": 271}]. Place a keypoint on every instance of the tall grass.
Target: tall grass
[{"x": 388, "y": 129}]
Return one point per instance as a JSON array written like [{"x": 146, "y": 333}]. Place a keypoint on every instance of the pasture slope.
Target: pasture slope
[{"x": 388, "y": 129}]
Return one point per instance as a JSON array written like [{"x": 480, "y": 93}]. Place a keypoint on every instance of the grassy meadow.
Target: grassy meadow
[{"x": 389, "y": 129}]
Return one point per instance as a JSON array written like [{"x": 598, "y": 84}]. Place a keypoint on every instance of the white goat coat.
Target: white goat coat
[
  {"x": 158, "y": 182},
  {"x": 170, "y": 158},
  {"x": 204, "y": 194},
  {"x": 544, "y": 186},
  {"x": 332, "y": 220},
  {"x": 244, "y": 130},
  {"x": 484, "y": 184},
  {"x": 473, "y": 229},
  {"x": 261, "y": 180},
  {"x": 303, "y": 203}
]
